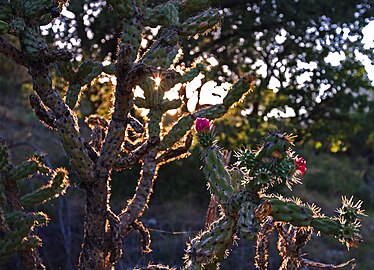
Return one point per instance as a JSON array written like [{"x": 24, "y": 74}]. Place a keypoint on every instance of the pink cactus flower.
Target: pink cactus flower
[
  {"x": 300, "y": 165},
  {"x": 202, "y": 125}
]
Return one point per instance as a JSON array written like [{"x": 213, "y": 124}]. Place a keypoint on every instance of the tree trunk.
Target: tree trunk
[{"x": 95, "y": 253}]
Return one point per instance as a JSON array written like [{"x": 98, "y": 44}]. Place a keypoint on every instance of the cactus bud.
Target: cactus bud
[
  {"x": 300, "y": 164},
  {"x": 202, "y": 125},
  {"x": 203, "y": 131}
]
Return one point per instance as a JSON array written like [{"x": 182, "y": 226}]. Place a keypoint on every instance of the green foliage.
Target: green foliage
[{"x": 339, "y": 174}]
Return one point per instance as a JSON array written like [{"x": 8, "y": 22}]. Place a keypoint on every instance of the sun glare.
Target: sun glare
[{"x": 157, "y": 81}]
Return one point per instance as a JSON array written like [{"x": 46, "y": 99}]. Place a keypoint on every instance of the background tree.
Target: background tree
[{"x": 287, "y": 42}]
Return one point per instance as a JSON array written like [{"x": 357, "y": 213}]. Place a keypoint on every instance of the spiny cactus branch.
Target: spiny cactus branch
[
  {"x": 56, "y": 187},
  {"x": 145, "y": 237},
  {"x": 12, "y": 52},
  {"x": 123, "y": 103},
  {"x": 58, "y": 56},
  {"x": 16, "y": 223},
  {"x": 66, "y": 121},
  {"x": 262, "y": 244},
  {"x": 172, "y": 154},
  {"x": 144, "y": 189},
  {"x": 212, "y": 245},
  {"x": 136, "y": 155},
  {"x": 241, "y": 192},
  {"x": 42, "y": 112},
  {"x": 185, "y": 122}
]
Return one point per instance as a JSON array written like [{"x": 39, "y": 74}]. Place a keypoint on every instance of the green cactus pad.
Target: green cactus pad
[
  {"x": 165, "y": 14},
  {"x": 56, "y": 187},
  {"x": 237, "y": 91},
  {"x": 247, "y": 222},
  {"x": 193, "y": 6},
  {"x": 4, "y": 27},
  {"x": 216, "y": 173},
  {"x": 67, "y": 71},
  {"x": 288, "y": 211},
  {"x": 5, "y": 11},
  {"x": 212, "y": 244},
  {"x": 88, "y": 71},
  {"x": 201, "y": 23},
  {"x": 72, "y": 94}
]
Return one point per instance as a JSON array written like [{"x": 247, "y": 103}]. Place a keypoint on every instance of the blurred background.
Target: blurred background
[{"x": 315, "y": 68}]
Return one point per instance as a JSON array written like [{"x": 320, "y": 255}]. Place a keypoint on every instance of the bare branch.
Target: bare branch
[
  {"x": 117, "y": 126},
  {"x": 136, "y": 206},
  {"x": 309, "y": 263},
  {"x": 262, "y": 253},
  {"x": 123, "y": 103}
]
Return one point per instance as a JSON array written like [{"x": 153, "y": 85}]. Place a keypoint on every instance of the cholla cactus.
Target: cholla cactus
[
  {"x": 17, "y": 223},
  {"x": 240, "y": 191},
  {"x": 250, "y": 211},
  {"x": 110, "y": 147}
]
